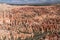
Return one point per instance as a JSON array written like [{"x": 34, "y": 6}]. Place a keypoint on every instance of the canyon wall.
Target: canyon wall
[{"x": 29, "y": 22}]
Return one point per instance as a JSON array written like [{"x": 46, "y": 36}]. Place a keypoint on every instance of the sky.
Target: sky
[{"x": 28, "y": 1}]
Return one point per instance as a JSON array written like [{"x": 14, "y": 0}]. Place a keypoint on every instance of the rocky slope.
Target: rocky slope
[{"x": 29, "y": 22}]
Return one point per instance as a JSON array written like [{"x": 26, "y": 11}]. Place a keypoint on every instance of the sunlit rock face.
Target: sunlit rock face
[{"x": 29, "y": 22}]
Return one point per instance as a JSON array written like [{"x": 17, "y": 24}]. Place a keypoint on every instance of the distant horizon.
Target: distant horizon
[
  {"x": 29, "y": 1},
  {"x": 44, "y": 4}
]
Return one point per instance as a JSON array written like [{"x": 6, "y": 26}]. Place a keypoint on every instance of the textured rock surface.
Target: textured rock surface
[{"x": 29, "y": 22}]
